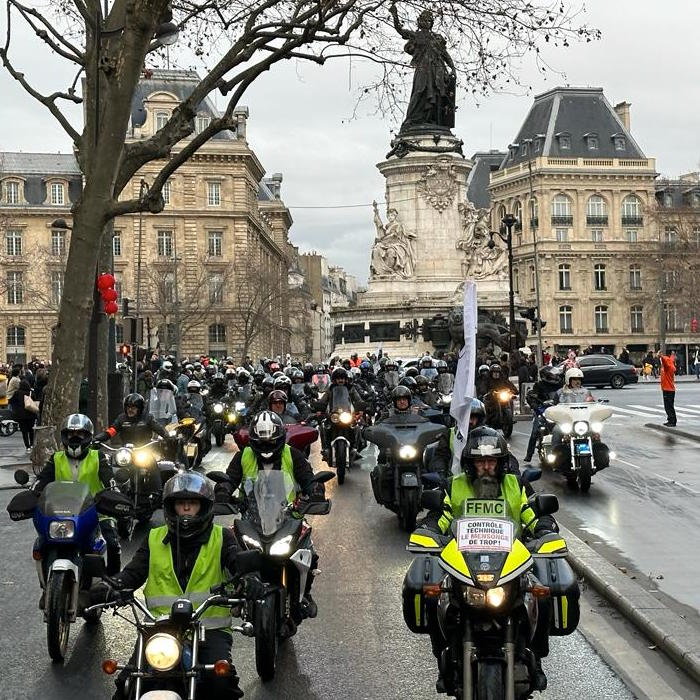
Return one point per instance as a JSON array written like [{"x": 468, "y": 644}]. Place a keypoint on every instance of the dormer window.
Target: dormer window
[
  {"x": 564, "y": 139},
  {"x": 11, "y": 192},
  {"x": 523, "y": 149},
  {"x": 537, "y": 143},
  {"x": 201, "y": 123},
  {"x": 161, "y": 120},
  {"x": 513, "y": 148},
  {"x": 58, "y": 194},
  {"x": 620, "y": 142},
  {"x": 668, "y": 199},
  {"x": 591, "y": 141}
]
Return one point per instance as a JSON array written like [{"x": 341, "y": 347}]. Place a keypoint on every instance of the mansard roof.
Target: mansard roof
[{"x": 478, "y": 181}]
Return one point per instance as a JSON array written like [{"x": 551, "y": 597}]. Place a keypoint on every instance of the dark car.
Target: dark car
[{"x": 599, "y": 370}]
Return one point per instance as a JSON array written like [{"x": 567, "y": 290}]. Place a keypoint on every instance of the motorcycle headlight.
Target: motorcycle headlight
[
  {"x": 218, "y": 408},
  {"x": 231, "y": 417},
  {"x": 551, "y": 459},
  {"x": 142, "y": 458},
  {"x": 281, "y": 547},
  {"x": 163, "y": 652},
  {"x": 596, "y": 426},
  {"x": 580, "y": 427},
  {"x": 504, "y": 396},
  {"x": 495, "y": 597},
  {"x": 345, "y": 418},
  {"x": 408, "y": 452},
  {"x": 446, "y": 398},
  {"x": 172, "y": 433},
  {"x": 61, "y": 530},
  {"x": 239, "y": 405},
  {"x": 251, "y": 542},
  {"x": 474, "y": 596},
  {"x": 334, "y": 418},
  {"x": 123, "y": 457},
  {"x": 566, "y": 428}
]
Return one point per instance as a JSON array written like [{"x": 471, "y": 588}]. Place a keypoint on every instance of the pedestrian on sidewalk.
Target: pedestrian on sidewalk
[
  {"x": 696, "y": 363},
  {"x": 668, "y": 385},
  {"x": 24, "y": 411}
]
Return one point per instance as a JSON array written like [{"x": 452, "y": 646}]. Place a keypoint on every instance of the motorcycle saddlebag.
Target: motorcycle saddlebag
[
  {"x": 564, "y": 594},
  {"x": 424, "y": 570}
]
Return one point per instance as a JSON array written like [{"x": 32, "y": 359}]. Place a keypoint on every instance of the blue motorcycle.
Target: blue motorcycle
[{"x": 69, "y": 549}]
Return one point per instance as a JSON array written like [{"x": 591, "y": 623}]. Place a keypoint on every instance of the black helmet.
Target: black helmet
[
  {"x": 401, "y": 392},
  {"x": 478, "y": 411},
  {"x": 259, "y": 375},
  {"x": 321, "y": 369},
  {"x": 550, "y": 375},
  {"x": 267, "y": 435},
  {"x": 165, "y": 384},
  {"x": 441, "y": 367},
  {"x": 137, "y": 401},
  {"x": 297, "y": 376},
  {"x": 76, "y": 435},
  {"x": 243, "y": 376},
  {"x": 422, "y": 384},
  {"x": 188, "y": 485},
  {"x": 485, "y": 442},
  {"x": 276, "y": 395},
  {"x": 410, "y": 383},
  {"x": 339, "y": 373},
  {"x": 365, "y": 367},
  {"x": 283, "y": 383},
  {"x": 411, "y": 372},
  {"x": 268, "y": 384}
]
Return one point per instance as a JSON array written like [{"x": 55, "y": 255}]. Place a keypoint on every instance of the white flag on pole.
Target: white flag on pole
[{"x": 463, "y": 391}]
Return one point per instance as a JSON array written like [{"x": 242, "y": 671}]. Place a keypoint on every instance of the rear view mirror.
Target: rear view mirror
[
  {"x": 544, "y": 504},
  {"x": 322, "y": 477},
  {"x": 532, "y": 474},
  {"x": 22, "y": 505},
  {"x": 432, "y": 499},
  {"x": 21, "y": 477},
  {"x": 432, "y": 480},
  {"x": 113, "y": 503},
  {"x": 317, "y": 508}
]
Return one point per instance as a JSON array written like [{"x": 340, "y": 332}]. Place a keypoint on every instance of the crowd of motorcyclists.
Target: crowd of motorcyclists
[{"x": 348, "y": 405}]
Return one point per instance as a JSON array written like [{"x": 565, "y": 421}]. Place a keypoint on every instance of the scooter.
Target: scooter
[{"x": 69, "y": 549}]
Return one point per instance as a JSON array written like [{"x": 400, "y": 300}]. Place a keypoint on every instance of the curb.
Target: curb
[
  {"x": 672, "y": 634},
  {"x": 673, "y": 431}
]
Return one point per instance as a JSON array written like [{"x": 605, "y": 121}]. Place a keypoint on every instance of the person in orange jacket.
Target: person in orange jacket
[{"x": 668, "y": 385}]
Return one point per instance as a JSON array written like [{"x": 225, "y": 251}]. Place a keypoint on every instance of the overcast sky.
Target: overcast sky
[{"x": 649, "y": 56}]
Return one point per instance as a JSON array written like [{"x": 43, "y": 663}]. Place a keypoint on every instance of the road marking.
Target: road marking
[
  {"x": 660, "y": 476},
  {"x": 689, "y": 411},
  {"x": 679, "y": 410},
  {"x": 627, "y": 410}
]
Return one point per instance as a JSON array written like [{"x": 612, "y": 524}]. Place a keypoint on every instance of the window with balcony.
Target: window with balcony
[
  {"x": 599, "y": 281},
  {"x": 596, "y": 211},
  {"x": 165, "y": 244},
  {"x": 601, "y": 319},
  {"x": 566, "y": 318},
  {"x": 635, "y": 277},
  {"x": 11, "y": 192},
  {"x": 632, "y": 211},
  {"x": 562, "y": 235},
  {"x": 57, "y": 193},
  {"x": 15, "y": 288},
  {"x": 637, "y": 319},
  {"x": 214, "y": 194},
  {"x": 117, "y": 244},
  {"x": 13, "y": 242},
  {"x": 56, "y": 287},
  {"x": 216, "y": 244},
  {"x": 564, "y": 277},
  {"x": 58, "y": 242},
  {"x": 561, "y": 211}
]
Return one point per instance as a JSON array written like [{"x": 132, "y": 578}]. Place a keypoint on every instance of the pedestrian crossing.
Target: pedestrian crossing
[{"x": 689, "y": 411}]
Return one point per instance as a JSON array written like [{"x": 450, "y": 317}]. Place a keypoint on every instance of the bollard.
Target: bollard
[{"x": 44, "y": 446}]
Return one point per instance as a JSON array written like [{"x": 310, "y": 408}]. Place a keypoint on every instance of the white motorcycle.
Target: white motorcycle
[{"x": 580, "y": 425}]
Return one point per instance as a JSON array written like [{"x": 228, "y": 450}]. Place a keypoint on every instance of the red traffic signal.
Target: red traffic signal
[
  {"x": 124, "y": 349},
  {"x": 108, "y": 294},
  {"x": 694, "y": 325}
]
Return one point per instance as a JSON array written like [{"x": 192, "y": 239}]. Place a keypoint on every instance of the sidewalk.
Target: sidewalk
[{"x": 13, "y": 455}]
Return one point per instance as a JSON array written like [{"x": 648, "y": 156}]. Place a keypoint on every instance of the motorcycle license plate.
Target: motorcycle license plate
[
  {"x": 191, "y": 450},
  {"x": 582, "y": 449}
]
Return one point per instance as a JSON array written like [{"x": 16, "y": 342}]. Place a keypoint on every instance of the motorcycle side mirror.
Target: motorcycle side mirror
[
  {"x": 602, "y": 400},
  {"x": 431, "y": 499},
  {"x": 317, "y": 508},
  {"x": 225, "y": 509},
  {"x": 122, "y": 475},
  {"x": 432, "y": 480},
  {"x": 114, "y": 504},
  {"x": 21, "y": 477},
  {"x": 532, "y": 474},
  {"x": 544, "y": 504},
  {"x": 218, "y": 477},
  {"x": 322, "y": 477}
]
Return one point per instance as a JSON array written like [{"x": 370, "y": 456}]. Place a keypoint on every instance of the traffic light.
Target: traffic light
[
  {"x": 529, "y": 313},
  {"x": 108, "y": 294},
  {"x": 125, "y": 307},
  {"x": 694, "y": 325},
  {"x": 124, "y": 349},
  {"x": 538, "y": 323}
]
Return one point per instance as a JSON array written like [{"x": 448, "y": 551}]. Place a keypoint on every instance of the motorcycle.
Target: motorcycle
[
  {"x": 580, "y": 425},
  {"x": 396, "y": 480},
  {"x": 144, "y": 475},
  {"x": 222, "y": 419},
  {"x": 192, "y": 441},
  {"x": 482, "y": 585},
  {"x": 68, "y": 549},
  {"x": 499, "y": 403},
  {"x": 544, "y": 435},
  {"x": 275, "y": 527},
  {"x": 8, "y": 426},
  {"x": 339, "y": 431},
  {"x": 167, "y": 660}
]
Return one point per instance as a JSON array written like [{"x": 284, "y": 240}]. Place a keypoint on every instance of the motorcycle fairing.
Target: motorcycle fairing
[
  {"x": 452, "y": 561},
  {"x": 422, "y": 541}
]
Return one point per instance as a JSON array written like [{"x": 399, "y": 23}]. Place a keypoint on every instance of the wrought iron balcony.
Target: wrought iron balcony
[
  {"x": 597, "y": 220},
  {"x": 562, "y": 220},
  {"x": 632, "y": 220}
]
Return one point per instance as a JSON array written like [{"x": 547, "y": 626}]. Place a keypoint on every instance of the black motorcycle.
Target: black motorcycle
[
  {"x": 396, "y": 480},
  {"x": 339, "y": 431}
]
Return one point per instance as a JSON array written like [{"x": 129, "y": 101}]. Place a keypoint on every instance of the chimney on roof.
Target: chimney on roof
[
  {"x": 622, "y": 109},
  {"x": 241, "y": 115},
  {"x": 275, "y": 185}
]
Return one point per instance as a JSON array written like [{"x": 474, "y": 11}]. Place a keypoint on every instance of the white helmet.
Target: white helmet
[
  {"x": 193, "y": 386},
  {"x": 573, "y": 373},
  {"x": 167, "y": 366}
]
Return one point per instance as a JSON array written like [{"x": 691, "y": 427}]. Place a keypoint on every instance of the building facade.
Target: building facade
[
  {"x": 209, "y": 273},
  {"x": 316, "y": 271},
  {"x": 584, "y": 197}
]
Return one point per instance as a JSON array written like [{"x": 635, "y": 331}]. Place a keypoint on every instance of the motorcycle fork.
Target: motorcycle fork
[
  {"x": 140, "y": 663},
  {"x": 509, "y": 649},
  {"x": 283, "y": 583},
  {"x": 467, "y": 658},
  {"x": 195, "y": 660}
]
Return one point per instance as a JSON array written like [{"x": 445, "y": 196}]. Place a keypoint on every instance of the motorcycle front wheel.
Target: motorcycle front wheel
[
  {"x": 58, "y": 597},
  {"x": 409, "y": 508},
  {"x": 489, "y": 682},
  {"x": 219, "y": 438},
  {"x": 266, "y": 638},
  {"x": 341, "y": 460},
  {"x": 584, "y": 474},
  {"x": 507, "y": 422}
]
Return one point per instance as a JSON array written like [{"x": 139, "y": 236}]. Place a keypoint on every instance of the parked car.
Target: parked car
[{"x": 601, "y": 370}]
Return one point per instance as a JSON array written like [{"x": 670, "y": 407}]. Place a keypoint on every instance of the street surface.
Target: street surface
[
  {"x": 645, "y": 506},
  {"x": 358, "y": 648}
]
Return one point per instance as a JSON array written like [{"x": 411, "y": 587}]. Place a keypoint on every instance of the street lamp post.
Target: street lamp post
[{"x": 508, "y": 221}]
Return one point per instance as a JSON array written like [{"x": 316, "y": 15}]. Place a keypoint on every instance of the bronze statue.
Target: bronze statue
[{"x": 432, "y": 100}]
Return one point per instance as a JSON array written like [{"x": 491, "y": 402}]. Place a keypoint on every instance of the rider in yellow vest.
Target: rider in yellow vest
[
  {"x": 183, "y": 559},
  {"x": 485, "y": 460},
  {"x": 77, "y": 462},
  {"x": 267, "y": 449}
]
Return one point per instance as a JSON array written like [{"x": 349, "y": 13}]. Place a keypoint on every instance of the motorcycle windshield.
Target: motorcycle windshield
[
  {"x": 340, "y": 399},
  {"x": 269, "y": 499},
  {"x": 65, "y": 498},
  {"x": 298, "y": 391},
  {"x": 429, "y": 372},
  {"x": 244, "y": 393},
  {"x": 391, "y": 379},
  {"x": 321, "y": 381},
  {"x": 196, "y": 401},
  {"x": 445, "y": 383},
  {"x": 162, "y": 403}
]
